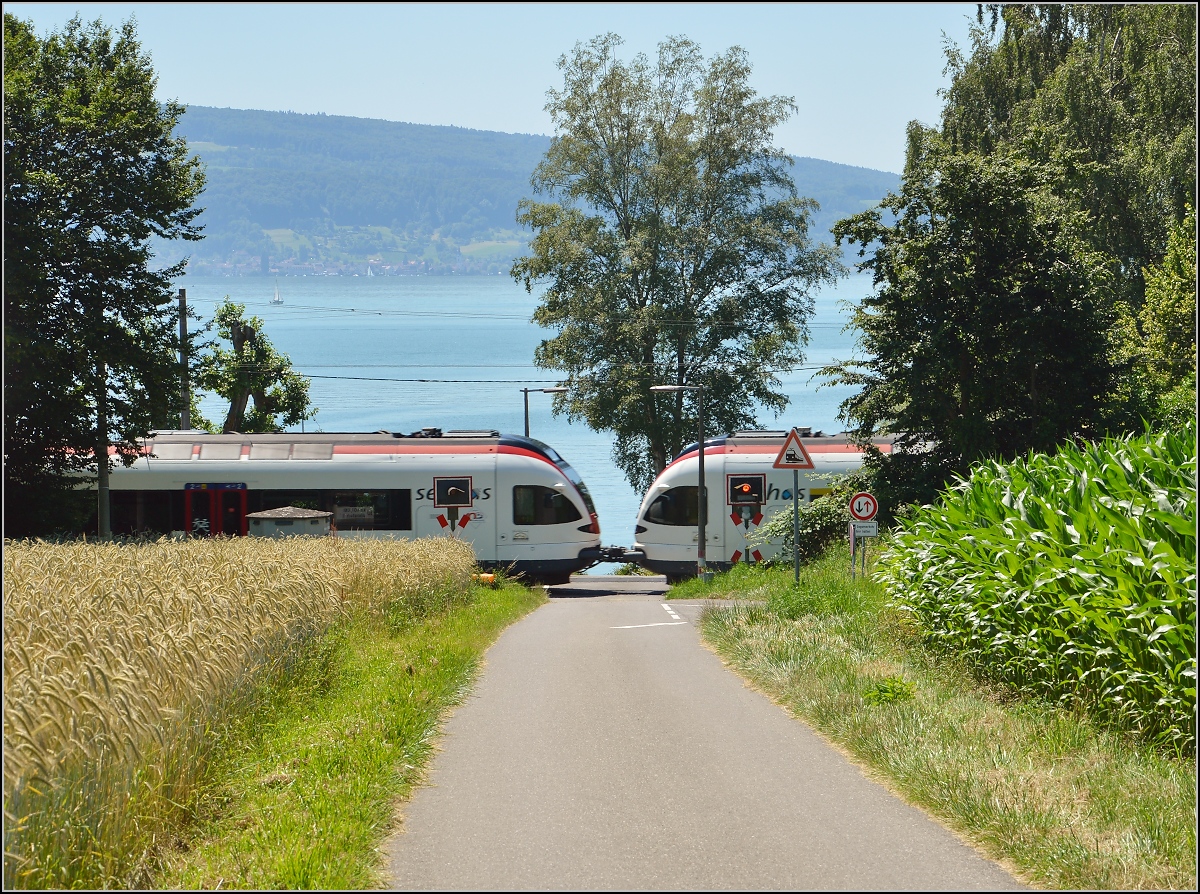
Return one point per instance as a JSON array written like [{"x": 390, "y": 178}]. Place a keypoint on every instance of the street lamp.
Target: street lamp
[
  {"x": 554, "y": 390},
  {"x": 701, "y": 493}
]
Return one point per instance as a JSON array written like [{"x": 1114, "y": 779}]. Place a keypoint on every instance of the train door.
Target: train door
[{"x": 210, "y": 510}]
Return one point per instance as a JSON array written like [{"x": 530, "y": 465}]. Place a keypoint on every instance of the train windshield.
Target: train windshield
[{"x": 566, "y": 469}]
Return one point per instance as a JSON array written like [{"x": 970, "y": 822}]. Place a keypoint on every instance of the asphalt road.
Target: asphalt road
[{"x": 605, "y": 748}]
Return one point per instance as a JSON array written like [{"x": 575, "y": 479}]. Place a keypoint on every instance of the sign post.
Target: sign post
[
  {"x": 793, "y": 456},
  {"x": 863, "y": 507}
]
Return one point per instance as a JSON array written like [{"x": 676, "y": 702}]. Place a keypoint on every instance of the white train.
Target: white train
[
  {"x": 518, "y": 502},
  {"x": 743, "y": 490}
]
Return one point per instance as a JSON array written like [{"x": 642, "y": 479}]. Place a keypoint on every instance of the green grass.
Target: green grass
[
  {"x": 1060, "y": 801},
  {"x": 309, "y": 784}
]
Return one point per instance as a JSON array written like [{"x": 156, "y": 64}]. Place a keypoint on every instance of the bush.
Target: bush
[{"x": 822, "y": 521}]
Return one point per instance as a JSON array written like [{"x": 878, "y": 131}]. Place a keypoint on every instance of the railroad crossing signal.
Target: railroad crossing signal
[
  {"x": 449, "y": 492},
  {"x": 746, "y": 489},
  {"x": 452, "y": 494},
  {"x": 793, "y": 455}
]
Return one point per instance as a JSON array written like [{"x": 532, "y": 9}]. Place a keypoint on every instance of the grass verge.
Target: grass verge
[
  {"x": 1062, "y": 803},
  {"x": 307, "y": 787}
]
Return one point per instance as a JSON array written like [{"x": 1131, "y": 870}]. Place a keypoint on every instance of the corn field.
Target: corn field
[
  {"x": 1072, "y": 576},
  {"x": 121, "y": 663}
]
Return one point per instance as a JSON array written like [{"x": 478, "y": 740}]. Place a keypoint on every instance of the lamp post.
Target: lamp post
[
  {"x": 701, "y": 492},
  {"x": 555, "y": 390}
]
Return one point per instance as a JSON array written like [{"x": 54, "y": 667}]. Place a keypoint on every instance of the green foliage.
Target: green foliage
[
  {"x": 92, "y": 171},
  {"x": 252, "y": 368},
  {"x": 1168, "y": 330},
  {"x": 986, "y": 335},
  {"x": 1022, "y": 294},
  {"x": 676, "y": 250},
  {"x": 822, "y": 521},
  {"x": 888, "y": 690},
  {"x": 1071, "y": 576},
  {"x": 1168, "y": 317}
]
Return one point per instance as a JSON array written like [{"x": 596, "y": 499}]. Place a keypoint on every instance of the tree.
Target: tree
[
  {"x": 252, "y": 368},
  {"x": 1159, "y": 347},
  {"x": 91, "y": 173},
  {"x": 675, "y": 250},
  {"x": 986, "y": 335},
  {"x": 1103, "y": 93},
  {"x": 1015, "y": 290}
]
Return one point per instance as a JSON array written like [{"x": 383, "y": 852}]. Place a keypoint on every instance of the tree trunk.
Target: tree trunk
[{"x": 239, "y": 335}]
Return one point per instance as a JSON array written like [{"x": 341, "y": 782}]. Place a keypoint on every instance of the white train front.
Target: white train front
[
  {"x": 744, "y": 490},
  {"x": 518, "y": 502}
]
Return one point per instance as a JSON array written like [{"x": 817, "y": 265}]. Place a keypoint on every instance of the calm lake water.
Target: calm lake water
[{"x": 405, "y": 352}]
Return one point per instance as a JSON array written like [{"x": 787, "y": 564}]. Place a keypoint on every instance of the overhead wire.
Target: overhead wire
[{"x": 311, "y": 311}]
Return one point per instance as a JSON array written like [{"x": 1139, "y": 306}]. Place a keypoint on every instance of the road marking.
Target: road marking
[
  {"x": 671, "y": 611},
  {"x": 660, "y": 624}
]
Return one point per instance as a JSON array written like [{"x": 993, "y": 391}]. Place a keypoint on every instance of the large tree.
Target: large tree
[
  {"x": 1020, "y": 281},
  {"x": 673, "y": 247},
  {"x": 91, "y": 172},
  {"x": 986, "y": 334}
]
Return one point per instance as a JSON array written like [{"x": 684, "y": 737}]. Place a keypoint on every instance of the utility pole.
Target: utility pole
[
  {"x": 185, "y": 412},
  {"x": 103, "y": 520}
]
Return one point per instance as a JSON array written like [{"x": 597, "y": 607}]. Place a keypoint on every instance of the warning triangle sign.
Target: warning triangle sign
[{"x": 793, "y": 455}]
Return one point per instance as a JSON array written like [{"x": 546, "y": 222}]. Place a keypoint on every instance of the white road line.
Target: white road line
[
  {"x": 661, "y": 624},
  {"x": 670, "y": 611}
]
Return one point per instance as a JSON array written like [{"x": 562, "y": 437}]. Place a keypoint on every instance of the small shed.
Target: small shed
[{"x": 288, "y": 521}]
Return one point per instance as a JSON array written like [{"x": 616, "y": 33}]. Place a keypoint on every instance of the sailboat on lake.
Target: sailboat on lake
[{"x": 277, "y": 299}]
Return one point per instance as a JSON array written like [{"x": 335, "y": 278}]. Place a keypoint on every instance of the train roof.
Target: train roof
[{"x": 437, "y": 439}]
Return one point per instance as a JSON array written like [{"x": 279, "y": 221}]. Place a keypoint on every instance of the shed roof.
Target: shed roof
[{"x": 289, "y": 512}]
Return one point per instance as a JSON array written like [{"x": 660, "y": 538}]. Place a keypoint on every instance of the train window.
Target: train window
[
  {"x": 677, "y": 506},
  {"x": 388, "y": 510},
  {"x": 537, "y": 505}
]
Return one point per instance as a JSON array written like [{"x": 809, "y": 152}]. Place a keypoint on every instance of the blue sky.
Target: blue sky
[{"x": 859, "y": 72}]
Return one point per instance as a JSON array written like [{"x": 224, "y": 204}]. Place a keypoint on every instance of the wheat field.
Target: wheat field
[{"x": 121, "y": 663}]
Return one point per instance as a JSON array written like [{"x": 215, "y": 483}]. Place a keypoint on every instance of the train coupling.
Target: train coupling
[{"x": 620, "y": 555}]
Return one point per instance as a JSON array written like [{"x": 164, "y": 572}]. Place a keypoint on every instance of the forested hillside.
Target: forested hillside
[{"x": 325, "y": 193}]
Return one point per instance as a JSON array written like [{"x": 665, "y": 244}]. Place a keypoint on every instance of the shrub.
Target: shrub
[{"x": 822, "y": 521}]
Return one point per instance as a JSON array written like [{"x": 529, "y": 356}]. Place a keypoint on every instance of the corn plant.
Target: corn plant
[
  {"x": 122, "y": 663},
  {"x": 1072, "y": 576}
]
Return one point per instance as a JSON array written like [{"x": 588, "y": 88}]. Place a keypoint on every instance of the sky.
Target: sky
[{"x": 858, "y": 72}]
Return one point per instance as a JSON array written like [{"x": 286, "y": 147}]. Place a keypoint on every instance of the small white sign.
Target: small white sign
[
  {"x": 866, "y": 529},
  {"x": 354, "y": 513}
]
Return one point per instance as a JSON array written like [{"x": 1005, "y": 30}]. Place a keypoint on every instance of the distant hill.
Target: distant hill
[{"x": 291, "y": 193}]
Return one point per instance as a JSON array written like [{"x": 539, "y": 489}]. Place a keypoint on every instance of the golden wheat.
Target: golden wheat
[{"x": 119, "y": 659}]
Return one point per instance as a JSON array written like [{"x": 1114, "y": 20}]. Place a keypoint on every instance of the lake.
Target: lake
[{"x": 406, "y": 352}]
